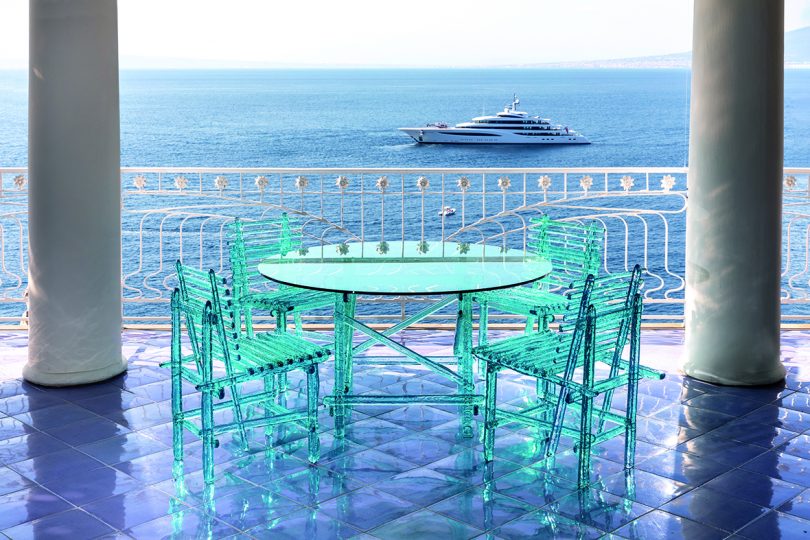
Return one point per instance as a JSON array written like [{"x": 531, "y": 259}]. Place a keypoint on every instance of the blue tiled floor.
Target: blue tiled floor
[{"x": 712, "y": 462}]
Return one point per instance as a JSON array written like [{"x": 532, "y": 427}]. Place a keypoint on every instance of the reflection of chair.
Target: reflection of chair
[
  {"x": 604, "y": 316},
  {"x": 222, "y": 361},
  {"x": 249, "y": 243},
  {"x": 574, "y": 251}
]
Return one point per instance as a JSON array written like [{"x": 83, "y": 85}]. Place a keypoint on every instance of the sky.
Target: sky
[{"x": 374, "y": 33}]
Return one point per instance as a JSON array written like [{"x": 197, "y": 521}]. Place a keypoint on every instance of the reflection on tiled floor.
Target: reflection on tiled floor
[{"x": 712, "y": 462}]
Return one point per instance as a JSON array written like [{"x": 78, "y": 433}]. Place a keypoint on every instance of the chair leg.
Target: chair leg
[
  {"x": 248, "y": 322},
  {"x": 299, "y": 324},
  {"x": 313, "y": 389},
  {"x": 490, "y": 420},
  {"x": 483, "y": 325},
  {"x": 632, "y": 390},
  {"x": 483, "y": 328},
  {"x": 208, "y": 439},
  {"x": 239, "y": 417},
  {"x": 531, "y": 320},
  {"x": 281, "y": 326},
  {"x": 207, "y": 398},
  {"x": 585, "y": 443},
  {"x": 271, "y": 392},
  {"x": 177, "y": 399},
  {"x": 586, "y": 404}
]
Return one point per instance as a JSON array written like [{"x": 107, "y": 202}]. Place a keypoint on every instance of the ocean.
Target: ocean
[{"x": 349, "y": 118}]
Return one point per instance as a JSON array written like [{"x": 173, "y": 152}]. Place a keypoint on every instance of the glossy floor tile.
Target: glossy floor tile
[{"x": 711, "y": 462}]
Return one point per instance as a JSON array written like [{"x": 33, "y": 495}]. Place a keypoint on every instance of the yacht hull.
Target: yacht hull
[{"x": 434, "y": 135}]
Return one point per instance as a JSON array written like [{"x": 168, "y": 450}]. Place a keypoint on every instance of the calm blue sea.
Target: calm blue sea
[{"x": 349, "y": 118}]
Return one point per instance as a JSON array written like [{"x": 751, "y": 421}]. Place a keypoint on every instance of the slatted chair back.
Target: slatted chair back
[
  {"x": 574, "y": 249},
  {"x": 251, "y": 242},
  {"x": 606, "y": 318},
  {"x": 197, "y": 289},
  {"x": 604, "y": 295}
]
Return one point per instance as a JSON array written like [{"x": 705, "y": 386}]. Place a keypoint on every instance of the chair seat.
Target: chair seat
[
  {"x": 289, "y": 299},
  {"x": 271, "y": 352},
  {"x": 535, "y": 354},
  {"x": 268, "y": 353},
  {"x": 524, "y": 301}
]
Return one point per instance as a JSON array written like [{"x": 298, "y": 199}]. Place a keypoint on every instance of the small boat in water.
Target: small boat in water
[
  {"x": 510, "y": 126},
  {"x": 447, "y": 211}
]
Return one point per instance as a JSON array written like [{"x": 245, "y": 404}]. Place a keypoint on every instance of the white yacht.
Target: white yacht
[{"x": 510, "y": 126}]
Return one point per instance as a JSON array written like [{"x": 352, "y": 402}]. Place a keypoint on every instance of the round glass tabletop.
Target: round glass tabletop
[{"x": 405, "y": 268}]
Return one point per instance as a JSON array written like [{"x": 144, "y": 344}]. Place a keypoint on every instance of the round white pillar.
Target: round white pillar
[
  {"x": 734, "y": 217},
  {"x": 74, "y": 193}
]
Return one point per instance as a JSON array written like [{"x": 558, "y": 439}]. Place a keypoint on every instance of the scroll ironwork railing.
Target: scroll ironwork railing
[{"x": 181, "y": 213}]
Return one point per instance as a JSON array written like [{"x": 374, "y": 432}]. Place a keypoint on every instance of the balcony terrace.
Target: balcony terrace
[
  {"x": 95, "y": 460},
  {"x": 712, "y": 461}
]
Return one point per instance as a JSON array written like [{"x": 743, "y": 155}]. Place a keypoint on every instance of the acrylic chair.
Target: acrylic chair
[
  {"x": 221, "y": 363},
  {"x": 574, "y": 250},
  {"x": 250, "y": 243},
  {"x": 583, "y": 363}
]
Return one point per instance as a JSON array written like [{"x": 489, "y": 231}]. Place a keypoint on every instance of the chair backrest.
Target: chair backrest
[
  {"x": 574, "y": 249},
  {"x": 250, "y": 242},
  {"x": 198, "y": 294},
  {"x": 603, "y": 309}
]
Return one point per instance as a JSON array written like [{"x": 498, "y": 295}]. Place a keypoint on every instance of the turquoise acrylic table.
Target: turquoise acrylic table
[{"x": 449, "y": 270}]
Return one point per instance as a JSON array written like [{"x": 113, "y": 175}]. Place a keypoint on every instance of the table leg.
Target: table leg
[
  {"x": 462, "y": 348},
  {"x": 344, "y": 307}
]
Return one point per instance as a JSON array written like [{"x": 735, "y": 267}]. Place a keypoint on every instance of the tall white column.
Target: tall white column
[
  {"x": 74, "y": 193},
  {"x": 734, "y": 217}
]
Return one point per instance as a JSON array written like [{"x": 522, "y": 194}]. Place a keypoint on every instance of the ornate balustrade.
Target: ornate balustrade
[{"x": 171, "y": 213}]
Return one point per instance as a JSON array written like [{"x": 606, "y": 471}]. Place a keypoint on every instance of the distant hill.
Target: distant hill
[
  {"x": 797, "y": 55},
  {"x": 797, "y": 48}
]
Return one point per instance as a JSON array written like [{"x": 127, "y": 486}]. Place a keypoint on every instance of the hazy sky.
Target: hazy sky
[{"x": 196, "y": 33}]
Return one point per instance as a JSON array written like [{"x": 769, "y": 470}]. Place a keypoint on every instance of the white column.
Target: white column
[
  {"x": 74, "y": 193},
  {"x": 734, "y": 217}
]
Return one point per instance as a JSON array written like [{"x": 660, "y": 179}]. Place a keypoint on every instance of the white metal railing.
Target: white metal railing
[{"x": 171, "y": 213}]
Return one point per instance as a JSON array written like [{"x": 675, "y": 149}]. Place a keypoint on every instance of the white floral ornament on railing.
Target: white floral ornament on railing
[
  {"x": 627, "y": 183},
  {"x": 180, "y": 182},
  {"x": 422, "y": 183},
  {"x": 504, "y": 182},
  {"x": 544, "y": 182},
  {"x": 139, "y": 182},
  {"x": 382, "y": 183},
  {"x": 261, "y": 182},
  {"x": 20, "y": 181},
  {"x": 586, "y": 183},
  {"x": 301, "y": 183},
  {"x": 342, "y": 182},
  {"x": 220, "y": 182},
  {"x": 667, "y": 182},
  {"x": 790, "y": 182},
  {"x": 463, "y": 183}
]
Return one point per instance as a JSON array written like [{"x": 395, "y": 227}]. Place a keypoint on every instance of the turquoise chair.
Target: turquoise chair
[
  {"x": 574, "y": 250},
  {"x": 250, "y": 243},
  {"x": 583, "y": 363},
  {"x": 220, "y": 360}
]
